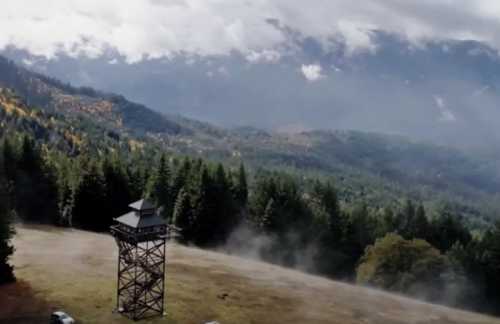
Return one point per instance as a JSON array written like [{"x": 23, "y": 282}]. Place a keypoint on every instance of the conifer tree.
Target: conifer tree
[
  {"x": 181, "y": 177},
  {"x": 326, "y": 199},
  {"x": 6, "y": 231},
  {"x": 183, "y": 215},
  {"x": 447, "y": 229},
  {"x": 90, "y": 196},
  {"x": 408, "y": 222},
  {"x": 204, "y": 226},
  {"x": 117, "y": 192},
  {"x": 241, "y": 187},
  {"x": 10, "y": 160},
  {"x": 161, "y": 190},
  {"x": 387, "y": 222},
  {"x": 36, "y": 191},
  {"x": 421, "y": 226},
  {"x": 265, "y": 222}
]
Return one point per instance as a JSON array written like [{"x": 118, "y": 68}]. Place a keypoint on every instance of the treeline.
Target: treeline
[{"x": 402, "y": 249}]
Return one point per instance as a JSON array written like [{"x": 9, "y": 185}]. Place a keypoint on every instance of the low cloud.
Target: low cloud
[
  {"x": 312, "y": 72},
  {"x": 446, "y": 115},
  {"x": 165, "y": 28}
]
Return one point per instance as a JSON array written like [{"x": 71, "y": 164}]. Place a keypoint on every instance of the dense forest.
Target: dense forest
[{"x": 377, "y": 168}]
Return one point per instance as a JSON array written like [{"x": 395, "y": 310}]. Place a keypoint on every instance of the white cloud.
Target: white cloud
[
  {"x": 270, "y": 56},
  {"x": 445, "y": 114},
  {"x": 28, "y": 62},
  {"x": 164, "y": 28},
  {"x": 312, "y": 72}
]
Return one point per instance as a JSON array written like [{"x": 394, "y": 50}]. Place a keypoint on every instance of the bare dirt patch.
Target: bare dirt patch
[
  {"x": 76, "y": 271},
  {"x": 19, "y": 304}
]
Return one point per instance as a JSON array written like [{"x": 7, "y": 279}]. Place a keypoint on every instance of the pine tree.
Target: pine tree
[
  {"x": 6, "y": 249},
  {"x": 408, "y": 223},
  {"x": 10, "y": 160},
  {"x": 137, "y": 180},
  {"x": 90, "y": 198},
  {"x": 203, "y": 226},
  {"x": 183, "y": 215},
  {"x": 266, "y": 221},
  {"x": 161, "y": 190},
  {"x": 6, "y": 231},
  {"x": 326, "y": 197},
  {"x": 387, "y": 222},
  {"x": 35, "y": 183},
  {"x": 181, "y": 177},
  {"x": 66, "y": 204},
  {"x": 447, "y": 229},
  {"x": 117, "y": 191},
  {"x": 241, "y": 187},
  {"x": 421, "y": 227}
]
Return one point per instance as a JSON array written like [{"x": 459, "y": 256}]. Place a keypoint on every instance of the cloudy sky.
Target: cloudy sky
[
  {"x": 254, "y": 28},
  {"x": 387, "y": 66}
]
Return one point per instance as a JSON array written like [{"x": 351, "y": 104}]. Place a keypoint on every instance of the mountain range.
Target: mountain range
[{"x": 444, "y": 92}]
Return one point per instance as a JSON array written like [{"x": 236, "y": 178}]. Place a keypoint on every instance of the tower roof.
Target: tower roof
[
  {"x": 136, "y": 220},
  {"x": 143, "y": 215},
  {"x": 142, "y": 204}
]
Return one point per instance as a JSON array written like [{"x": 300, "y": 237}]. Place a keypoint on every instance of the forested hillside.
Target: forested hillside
[{"x": 374, "y": 168}]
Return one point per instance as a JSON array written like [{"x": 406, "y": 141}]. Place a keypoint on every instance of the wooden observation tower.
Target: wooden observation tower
[{"x": 141, "y": 235}]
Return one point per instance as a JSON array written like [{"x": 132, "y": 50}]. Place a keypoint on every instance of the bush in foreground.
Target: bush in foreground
[{"x": 412, "y": 267}]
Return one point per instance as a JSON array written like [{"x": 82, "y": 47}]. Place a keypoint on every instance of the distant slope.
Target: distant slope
[
  {"x": 54, "y": 96},
  {"x": 76, "y": 271},
  {"x": 371, "y": 167}
]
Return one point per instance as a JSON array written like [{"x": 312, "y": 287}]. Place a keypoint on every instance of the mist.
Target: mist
[{"x": 288, "y": 250}]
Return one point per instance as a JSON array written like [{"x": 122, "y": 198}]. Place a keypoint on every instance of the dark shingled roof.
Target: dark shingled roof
[{"x": 142, "y": 204}]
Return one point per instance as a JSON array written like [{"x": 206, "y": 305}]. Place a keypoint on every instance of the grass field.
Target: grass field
[{"x": 76, "y": 271}]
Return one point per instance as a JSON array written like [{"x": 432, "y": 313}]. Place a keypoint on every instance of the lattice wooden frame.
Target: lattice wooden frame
[{"x": 141, "y": 274}]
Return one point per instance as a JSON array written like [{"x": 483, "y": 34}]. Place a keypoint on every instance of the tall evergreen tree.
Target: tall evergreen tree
[
  {"x": 117, "y": 190},
  {"x": 36, "y": 191},
  {"x": 241, "y": 186},
  {"x": 422, "y": 228},
  {"x": 325, "y": 198},
  {"x": 161, "y": 190},
  {"x": 225, "y": 211},
  {"x": 204, "y": 219},
  {"x": 408, "y": 221},
  {"x": 90, "y": 198},
  {"x": 265, "y": 222},
  {"x": 183, "y": 215},
  {"x": 447, "y": 229},
  {"x": 10, "y": 160},
  {"x": 181, "y": 178},
  {"x": 6, "y": 231}
]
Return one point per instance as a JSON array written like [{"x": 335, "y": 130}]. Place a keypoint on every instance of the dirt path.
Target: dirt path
[{"x": 76, "y": 270}]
